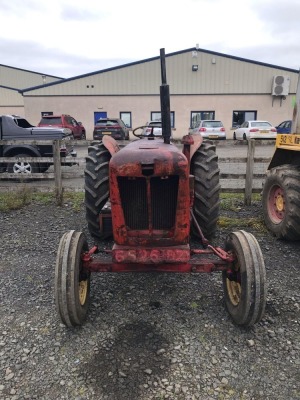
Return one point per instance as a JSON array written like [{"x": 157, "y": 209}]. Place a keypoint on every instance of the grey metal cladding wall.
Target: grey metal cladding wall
[
  {"x": 21, "y": 79},
  {"x": 10, "y": 97},
  {"x": 221, "y": 75},
  {"x": 216, "y": 75}
]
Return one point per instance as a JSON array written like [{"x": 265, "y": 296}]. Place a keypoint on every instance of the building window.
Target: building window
[
  {"x": 200, "y": 115},
  {"x": 125, "y": 116},
  {"x": 238, "y": 117},
  {"x": 156, "y": 116}
]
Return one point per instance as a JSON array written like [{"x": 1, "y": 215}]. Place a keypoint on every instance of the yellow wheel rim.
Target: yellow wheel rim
[
  {"x": 83, "y": 289},
  {"x": 234, "y": 291},
  {"x": 279, "y": 203}
]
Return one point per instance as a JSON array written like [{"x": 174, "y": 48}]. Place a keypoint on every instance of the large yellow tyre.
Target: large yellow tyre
[
  {"x": 72, "y": 282},
  {"x": 281, "y": 202},
  {"x": 245, "y": 283}
]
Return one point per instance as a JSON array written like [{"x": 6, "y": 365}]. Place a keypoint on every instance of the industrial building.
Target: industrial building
[{"x": 203, "y": 84}]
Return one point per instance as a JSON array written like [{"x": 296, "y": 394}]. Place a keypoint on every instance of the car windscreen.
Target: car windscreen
[
  {"x": 107, "y": 123},
  {"x": 51, "y": 121},
  {"x": 23, "y": 123},
  {"x": 257, "y": 124},
  {"x": 212, "y": 124}
]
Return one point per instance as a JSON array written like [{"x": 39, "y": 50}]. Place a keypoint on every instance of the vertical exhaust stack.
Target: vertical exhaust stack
[{"x": 165, "y": 100}]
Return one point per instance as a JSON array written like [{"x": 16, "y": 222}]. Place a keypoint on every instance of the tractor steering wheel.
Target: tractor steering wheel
[{"x": 140, "y": 136}]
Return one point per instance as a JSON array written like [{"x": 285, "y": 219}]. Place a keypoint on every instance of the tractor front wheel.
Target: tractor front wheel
[
  {"x": 96, "y": 185},
  {"x": 72, "y": 282},
  {"x": 245, "y": 283},
  {"x": 281, "y": 202},
  {"x": 204, "y": 167}
]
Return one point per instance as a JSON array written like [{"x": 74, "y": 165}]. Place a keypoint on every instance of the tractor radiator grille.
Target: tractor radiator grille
[{"x": 162, "y": 202}]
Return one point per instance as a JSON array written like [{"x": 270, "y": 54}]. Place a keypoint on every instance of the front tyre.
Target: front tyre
[
  {"x": 72, "y": 282},
  {"x": 204, "y": 167},
  {"x": 96, "y": 185},
  {"x": 245, "y": 283},
  {"x": 281, "y": 202}
]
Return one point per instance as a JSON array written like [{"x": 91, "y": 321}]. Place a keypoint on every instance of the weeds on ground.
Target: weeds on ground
[{"x": 25, "y": 196}]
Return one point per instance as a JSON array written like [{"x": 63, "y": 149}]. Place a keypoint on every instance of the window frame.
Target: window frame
[
  {"x": 239, "y": 122},
  {"x": 172, "y": 115},
  {"x": 130, "y": 118},
  {"x": 194, "y": 120}
]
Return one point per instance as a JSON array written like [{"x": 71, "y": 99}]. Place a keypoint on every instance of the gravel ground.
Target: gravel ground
[{"x": 147, "y": 336}]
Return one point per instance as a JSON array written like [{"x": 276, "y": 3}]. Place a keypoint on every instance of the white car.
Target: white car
[
  {"x": 152, "y": 125},
  {"x": 255, "y": 130},
  {"x": 209, "y": 129}
]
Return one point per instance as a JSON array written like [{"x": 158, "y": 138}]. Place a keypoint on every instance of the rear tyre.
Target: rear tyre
[
  {"x": 245, "y": 283},
  {"x": 281, "y": 202},
  {"x": 23, "y": 167},
  {"x": 72, "y": 282},
  {"x": 204, "y": 167},
  {"x": 244, "y": 136},
  {"x": 234, "y": 136},
  {"x": 96, "y": 185}
]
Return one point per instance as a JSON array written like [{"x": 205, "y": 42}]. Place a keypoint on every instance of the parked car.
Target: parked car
[
  {"x": 154, "y": 126},
  {"x": 209, "y": 129},
  {"x": 114, "y": 127},
  {"x": 284, "y": 127},
  {"x": 255, "y": 130},
  {"x": 64, "y": 121},
  {"x": 16, "y": 128}
]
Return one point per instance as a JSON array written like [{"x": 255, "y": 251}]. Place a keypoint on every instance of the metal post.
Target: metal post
[
  {"x": 165, "y": 100},
  {"x": 57, "y": 172},
  {"x": 249, "y": 172},
  {"x": 295, "y": 128}
]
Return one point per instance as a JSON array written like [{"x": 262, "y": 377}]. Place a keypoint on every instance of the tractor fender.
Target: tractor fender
[
  {"x": 111, "y": 144},
  {"x": 198, "y": 139}
]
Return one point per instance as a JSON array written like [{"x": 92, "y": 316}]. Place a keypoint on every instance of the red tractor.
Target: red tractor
[{"x": 159, "y": 196}]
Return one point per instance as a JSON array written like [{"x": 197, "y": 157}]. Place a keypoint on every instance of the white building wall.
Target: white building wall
[{"x": 83, "y": 107}]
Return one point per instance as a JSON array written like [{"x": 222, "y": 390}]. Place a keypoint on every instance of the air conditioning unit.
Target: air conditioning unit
[{"x": 281, "y": 85}]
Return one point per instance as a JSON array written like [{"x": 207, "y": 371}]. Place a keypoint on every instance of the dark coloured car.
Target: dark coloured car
[
  {"x": 15, "y": 128},
  {"x": 113, "y": 127},
  {"x": 64, "y": 121},
  {"x": 284, "y": 127}
]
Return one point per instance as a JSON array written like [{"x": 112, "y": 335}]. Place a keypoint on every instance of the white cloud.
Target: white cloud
[{"x": 72, "y": 37}]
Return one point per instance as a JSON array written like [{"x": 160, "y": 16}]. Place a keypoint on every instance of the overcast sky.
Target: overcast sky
[{"x": 67, "y": 38}]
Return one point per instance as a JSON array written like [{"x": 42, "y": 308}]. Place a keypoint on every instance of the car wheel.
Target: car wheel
[
  {"x": 244, "y": 136},
  {"x": 23, "y": 167},
  {"x": 83, "y": 136},
  {"x": 234, "y": 136}
]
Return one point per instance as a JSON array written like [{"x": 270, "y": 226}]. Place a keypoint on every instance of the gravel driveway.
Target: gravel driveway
[{"x": 147, "y": 336}]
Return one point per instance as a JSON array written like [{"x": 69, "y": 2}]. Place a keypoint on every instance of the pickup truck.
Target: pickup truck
[{"x": 13, "y": 127}]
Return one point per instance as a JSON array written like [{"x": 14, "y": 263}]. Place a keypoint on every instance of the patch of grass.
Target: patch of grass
[
  {"x": 234, "y": 201},
  {"x": 255, "y": 223},
  {"x": 24, "y": 196},
  {"x": 75, "y": 198},
  {"x": 15, "y": 200}
]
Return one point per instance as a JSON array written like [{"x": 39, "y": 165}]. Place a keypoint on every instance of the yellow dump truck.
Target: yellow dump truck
[{"x": 281, "y": 192}]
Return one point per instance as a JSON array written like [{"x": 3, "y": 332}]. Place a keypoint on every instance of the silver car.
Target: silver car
[{"x": 209, "y": 129}]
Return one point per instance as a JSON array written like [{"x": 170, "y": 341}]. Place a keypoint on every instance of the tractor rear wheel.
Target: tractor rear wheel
[
  {"x": 204, "y": 167},
  {"x": 245, "y": 283},
  {"x": 72, "y": 282},
  {"x": 281, "y": 202},
  {"x": 96, "y": 185}
]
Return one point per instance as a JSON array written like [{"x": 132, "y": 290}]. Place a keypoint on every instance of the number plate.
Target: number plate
[
  {"x": 213, "y": 136},
  {"x": 264, "y": 131},
  {"x": 106, "y": 133},
  {"x": 288, "y": 140}
]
